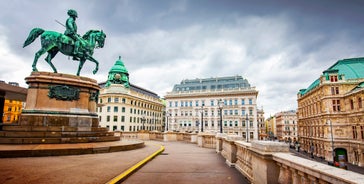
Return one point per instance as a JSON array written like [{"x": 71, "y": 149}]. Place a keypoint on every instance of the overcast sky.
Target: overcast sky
[{"x": 279, "y": 46}]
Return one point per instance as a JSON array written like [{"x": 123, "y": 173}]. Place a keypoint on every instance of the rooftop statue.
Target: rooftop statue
[{"x": 69, "y": 43}]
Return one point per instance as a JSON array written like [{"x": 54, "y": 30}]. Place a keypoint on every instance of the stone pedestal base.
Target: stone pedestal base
[{"x": 60, "y": 108}]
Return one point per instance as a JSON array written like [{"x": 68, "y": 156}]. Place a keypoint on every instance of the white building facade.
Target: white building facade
[
  {"x": 193, "y": 106},
  {"x": 126, "y": 107}
]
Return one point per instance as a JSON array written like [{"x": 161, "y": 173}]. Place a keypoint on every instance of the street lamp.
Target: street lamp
[
  {"x": 220, "y": 103},
  {"x": 247, "y": 127},
  {"x": 202, "y": 110},
  {"x": 168, "y": 114},
  {"x": 332, "y": 143},
  {"x": 143, "y": 121}
]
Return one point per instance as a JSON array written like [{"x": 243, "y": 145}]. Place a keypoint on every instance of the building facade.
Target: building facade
[
  {"x": 331, "y": 113},
  {"x": 195, "y": 105},
  {"x": 286, "y": 126},
  {"x": 12, "y": 101},
  {"x": 127, "y": 107}
]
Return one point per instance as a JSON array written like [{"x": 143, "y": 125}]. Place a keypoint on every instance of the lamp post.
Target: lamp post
[
  {"x": 220, "y": 104},
  {"x": 332, "y": 143},
  {"x": 168, "y": 114},
  {"x": 247, "y": 127},
  {"x": 202, "y": 110},
  {"x": 143, "y": 121}
]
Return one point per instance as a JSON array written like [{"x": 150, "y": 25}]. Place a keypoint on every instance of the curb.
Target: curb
[{"x": 123, "y": 176}]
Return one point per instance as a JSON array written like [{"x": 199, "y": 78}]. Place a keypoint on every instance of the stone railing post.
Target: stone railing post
[
  {"x": 229, "y": 149},
  {"x": 219, "y": 140}
]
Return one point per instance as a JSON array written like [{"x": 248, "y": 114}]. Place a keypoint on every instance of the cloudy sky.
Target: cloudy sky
[{"x": 279, "y": 46}]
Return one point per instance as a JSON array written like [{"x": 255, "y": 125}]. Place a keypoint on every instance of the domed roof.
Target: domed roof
[{"x": 118, "y": 67}]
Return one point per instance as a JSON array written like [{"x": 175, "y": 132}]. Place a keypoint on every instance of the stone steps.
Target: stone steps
[
  {"x": 56, "y": 140},
  {"x": 39, "y": 134},
  {"x": 51, "y": 128},
  {"x": 21, "y": 134}
]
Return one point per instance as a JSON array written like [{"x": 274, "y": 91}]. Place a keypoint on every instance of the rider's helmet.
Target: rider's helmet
[{"x": 72, "y": 13}]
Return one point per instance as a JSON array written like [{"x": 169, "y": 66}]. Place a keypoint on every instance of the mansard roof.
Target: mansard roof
[
  {"x": 352, "y": 68},
  {"x": 215, "y": 83}
]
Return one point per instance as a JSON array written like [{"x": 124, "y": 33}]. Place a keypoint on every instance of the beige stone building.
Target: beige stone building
[
  {"x": 286, "y": 126},
  {"x": 194, "y": 101},
  {"x": 127, "y": 107},
  {"x": 331, "y": 113},
  {"x": 270, "y": 127}
]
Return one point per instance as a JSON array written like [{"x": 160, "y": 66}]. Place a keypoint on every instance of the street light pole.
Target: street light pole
[
  {"x": 247, "y": 128},
  {"x": 220, "y": 104},
  {"x": 202, "y": 111},
  {"x": 167, "y": 121},
  {"x": 143, "y": 121},
  {"x": 332, "y": 143}
]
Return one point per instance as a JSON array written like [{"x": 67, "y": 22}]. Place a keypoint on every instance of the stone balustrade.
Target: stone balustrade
[{"x": 261, "y": 162}]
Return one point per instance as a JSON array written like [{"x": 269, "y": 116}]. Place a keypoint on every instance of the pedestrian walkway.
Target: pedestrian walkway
[
  {"x": 180, "y": 163},
  {"x": 350, "y": 167},
  {"x": 186, "y": 163}
]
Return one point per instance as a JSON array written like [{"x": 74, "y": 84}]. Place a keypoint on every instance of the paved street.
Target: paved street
[
  {"x": 186, "y": 163},
  {"x": 180, "y": 163}
]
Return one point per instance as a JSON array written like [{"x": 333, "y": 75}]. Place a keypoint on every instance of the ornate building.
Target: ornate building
[
  {"x": 286, "y": 126},
  {"x": 127, "y": 107},
  {"x": 193, "y": 106},
  {"x": 331, "y": 113}
]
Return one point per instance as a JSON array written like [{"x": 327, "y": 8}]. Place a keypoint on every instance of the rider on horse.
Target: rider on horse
[{"x": 71, "y": 31}]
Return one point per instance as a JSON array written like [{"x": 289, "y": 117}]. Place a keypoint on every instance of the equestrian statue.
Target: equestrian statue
[{"x": 69, "y": 43}]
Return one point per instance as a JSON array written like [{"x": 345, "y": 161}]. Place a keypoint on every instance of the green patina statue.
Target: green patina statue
[{"x": 69, "y": 43}]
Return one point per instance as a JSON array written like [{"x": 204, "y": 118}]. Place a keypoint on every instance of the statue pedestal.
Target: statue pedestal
[
  {"x": 60, "y": 100},
  {"x": 60, "y": 108}
]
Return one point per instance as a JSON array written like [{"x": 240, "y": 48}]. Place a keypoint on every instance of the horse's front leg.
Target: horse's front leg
[
  {"x": 82, "y": 61},
  {"x": 97, "y": 63},
  {"x": 36, "y": 57}
]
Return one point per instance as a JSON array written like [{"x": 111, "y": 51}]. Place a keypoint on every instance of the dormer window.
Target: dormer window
[{"x": 333, "y": 78}]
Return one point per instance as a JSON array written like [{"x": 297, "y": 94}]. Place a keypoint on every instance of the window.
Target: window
[
  {"x": 122, "y": 118},
  {"x": 250, "y": 101},
  {"x": 108, "y": 108},
  {"x": 242, "y": 101},
  {"x": 109, "y": 99},
  {"x": 190, "y": 103},
  {"x": 230, "y": 102},
  {"x": 99, "y": 118},
  {"x": 334, "y": 90},
  {"x": 231, "y": 112},
  {"x": 230, "y": 123},
  {"x": 181, "y": 104},
  {"x": 115, "y": 118},
  {"x": 123, "y": 100},
  {"x": 116, "y": 109},
  {"x": 176, "y": 104},
  {"x": 170, "y": 104},
  {"x": 116, "y": 100},
  {"x": 225, "y": 112},
  {"x": 123, "y": 109},
  {"x": 236, "y": 123},
  {"x": 212, "y": 103},
  {"x": 196, "y": 103},
  {"x": 336, "y": 105},
  {"x": 108, "y": 118},
  {"x": 242, "y": 112},
  {"x": 362, "y": 132},
  {"x": 236, "y": 112},
  {"x": 236, "y": 102},
  {"x": 333, "y": 78},
  {"x": 355, "y": 133},
  {"x": 360, "y": 103},
  {"x": 225, "y": 123},
  {"x": 351, "y": 104},
  {"x": 100, "y": 109}
]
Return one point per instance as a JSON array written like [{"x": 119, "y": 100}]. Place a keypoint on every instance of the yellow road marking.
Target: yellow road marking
[{"x": 132, "y": 169}]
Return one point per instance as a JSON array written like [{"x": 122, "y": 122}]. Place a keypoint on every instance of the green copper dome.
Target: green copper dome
[
  {"x": 118, "y": 67},
  {"x": 118, "y": 74}
]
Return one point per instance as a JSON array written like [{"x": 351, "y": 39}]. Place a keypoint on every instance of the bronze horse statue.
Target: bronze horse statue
[{"x": 52, "y": 42}]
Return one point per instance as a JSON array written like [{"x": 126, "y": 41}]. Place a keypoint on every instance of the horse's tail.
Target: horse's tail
[{"x": 34, "y": 33}]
